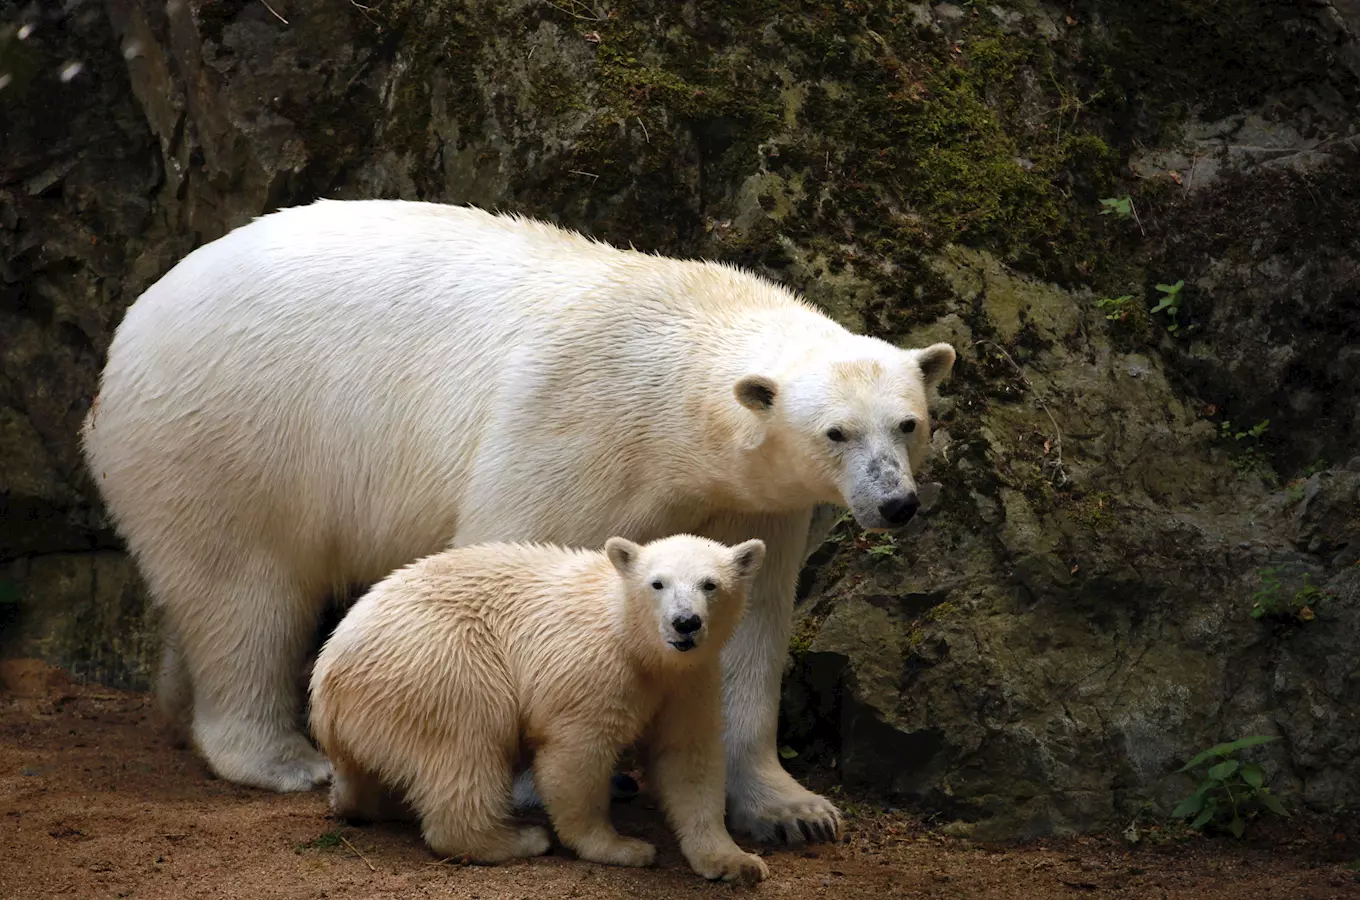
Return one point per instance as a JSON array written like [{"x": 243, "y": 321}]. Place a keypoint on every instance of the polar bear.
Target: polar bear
[
  {"x": 331, "y": 391},
  {"x": 451, "y": 670}
]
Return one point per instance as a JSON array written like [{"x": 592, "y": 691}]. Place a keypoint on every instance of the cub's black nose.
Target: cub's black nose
[
  {"x": 687, "y": 624},
  {"x": 899, "y": 510}
]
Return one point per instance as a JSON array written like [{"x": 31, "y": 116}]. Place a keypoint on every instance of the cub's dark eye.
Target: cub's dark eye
[
  {"x": 709, "y": 586},
  {"x": 836, "y": 435},
  {"x": 657, "y": 585},
  {"x": 908, "y": 426}
]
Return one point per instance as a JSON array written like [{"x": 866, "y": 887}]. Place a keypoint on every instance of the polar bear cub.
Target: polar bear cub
[{"x": 452, "y": 672}]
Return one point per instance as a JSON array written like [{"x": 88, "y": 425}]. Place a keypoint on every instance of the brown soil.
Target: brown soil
[{"x": 96, "y": 802}]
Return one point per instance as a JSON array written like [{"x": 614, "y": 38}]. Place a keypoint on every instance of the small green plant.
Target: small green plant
[
  {"x": 1314, "y": 467},
  {"x": 1230, "y": 791},
  {"x": 1118, "y": 309},
  {"x": 1170, "y": 303},
  {"x": 328, "y": 841},
  {"x": 884, "y": 547},
  {"x": 1225, "y": 428},
  {"x": 1296, "y": 489},
  {"x": 1272, "y": 600},
  {"x": 1248, "y": 456},
  {"x": 1117, "y": 206}
]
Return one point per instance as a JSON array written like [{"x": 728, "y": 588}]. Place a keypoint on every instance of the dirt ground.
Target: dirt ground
[{"x": 95, "y": 802}]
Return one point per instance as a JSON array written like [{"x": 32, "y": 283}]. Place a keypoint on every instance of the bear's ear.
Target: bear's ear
[
  {"x": 622, "y": 553},
  {"x": 936, "y": 362},
  {"x": 755, "y": 392},
  {"x": 747, "y": 557}
]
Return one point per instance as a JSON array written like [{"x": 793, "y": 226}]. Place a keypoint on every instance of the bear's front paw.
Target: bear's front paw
[
  {"x": 746, "y": 868},
  {"x": 786, "y": 813},
  {"x": 620, "y": 852}
]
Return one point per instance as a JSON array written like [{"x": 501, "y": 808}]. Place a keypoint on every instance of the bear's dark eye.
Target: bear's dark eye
[
  {"x": 908, "y": 426},
  {"x": 709, "y": 586},
  {"x": 836, "y": 435},
  {"x": 657, "y": 585}
]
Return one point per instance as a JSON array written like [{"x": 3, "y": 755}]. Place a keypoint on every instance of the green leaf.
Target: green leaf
[
  {"x": 1121, "y": 206},
  {"x": 1188, "y": 807},
  {"x": 787, "y": 752},
  {"x": 1203, "y": 818},
  {"x": 1166, "y": 303},
  {"x": 1253, "y": 741},
  {"x": 1223, "y": 769},
  {"x": 1253, "y": 775},
  {"x": 1272, "y": 802},
  {"x": 1171, "y": 288},
  {"x": 1238, "y": 826},
  {"x": 1215, "y": 750}
]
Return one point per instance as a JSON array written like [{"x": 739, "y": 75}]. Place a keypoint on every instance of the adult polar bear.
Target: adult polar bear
[{"x": 334, "y": 390}]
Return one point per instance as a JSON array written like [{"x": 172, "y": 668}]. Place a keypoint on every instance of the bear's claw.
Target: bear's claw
[{"x": 803, "y": 819}]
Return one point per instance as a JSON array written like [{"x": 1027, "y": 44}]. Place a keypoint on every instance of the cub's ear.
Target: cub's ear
[
  {"x": 747, "y": 558},
  {"x": 936, "y": 362},
  {"x": 755, "y": 392},
  {"x": 622, "y": 553}
]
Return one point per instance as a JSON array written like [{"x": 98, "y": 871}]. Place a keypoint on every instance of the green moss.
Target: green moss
[
  {"x": 556, "y": 91},
  {"x": 1093, "y": 510},
  {"x": 941, "y": 611},
  {"x": 801, "y": 640}
]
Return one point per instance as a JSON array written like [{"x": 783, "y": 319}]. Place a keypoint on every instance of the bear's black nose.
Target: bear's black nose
[
  {"x": 899, "y": 510},
  {"x": 687, "y": 624}
]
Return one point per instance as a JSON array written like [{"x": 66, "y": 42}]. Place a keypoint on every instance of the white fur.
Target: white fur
[
  {"x": 332, "y": 391},
  {"x": 455, "y": 670}
]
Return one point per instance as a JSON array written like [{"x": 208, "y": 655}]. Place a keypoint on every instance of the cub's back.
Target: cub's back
[{"x": 522, "y": 616}]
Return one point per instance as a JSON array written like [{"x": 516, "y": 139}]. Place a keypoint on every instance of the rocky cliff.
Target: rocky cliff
[{"x": 1116, "y": 485}]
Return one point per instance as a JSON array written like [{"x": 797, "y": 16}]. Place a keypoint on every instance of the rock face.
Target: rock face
[{"x": 1113, "y": 487}]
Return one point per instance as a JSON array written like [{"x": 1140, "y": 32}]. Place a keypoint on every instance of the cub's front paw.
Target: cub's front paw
[
  {"x": 532, "y": 841},
  {"x": 746, "y": 868},
  {"x": 620, "y": 852}
]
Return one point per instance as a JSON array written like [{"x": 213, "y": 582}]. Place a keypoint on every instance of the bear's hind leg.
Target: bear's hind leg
[
  {"x": 242, "y": 640},
  {"x": 463, "y": 803}
]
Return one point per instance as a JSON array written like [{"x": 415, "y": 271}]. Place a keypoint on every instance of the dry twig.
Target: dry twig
[
  {"x": 274, "y": 11},
  {"x": 593, "y": 17},
  {"x": 1135, "y": 213},
  {"x": 346, "y": 842}
]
